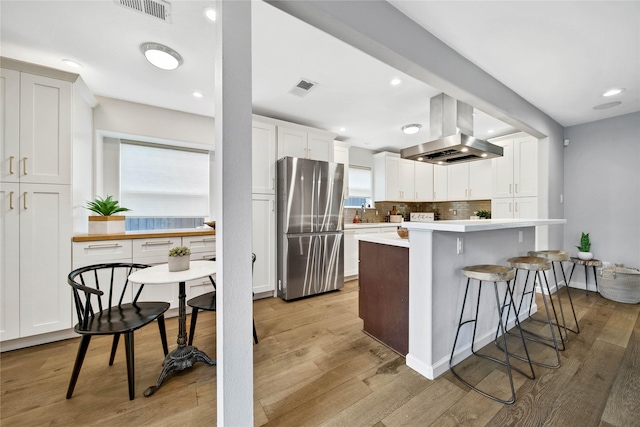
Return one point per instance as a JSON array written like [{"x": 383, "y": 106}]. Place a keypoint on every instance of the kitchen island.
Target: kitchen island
[{"x": 437, "y": 252}]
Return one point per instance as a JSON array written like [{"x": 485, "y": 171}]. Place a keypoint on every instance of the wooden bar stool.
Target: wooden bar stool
[
  {"x": 495, "y": 274},
  {"x": 536, "y": 265},
  {"x": 559, "y": 257}
]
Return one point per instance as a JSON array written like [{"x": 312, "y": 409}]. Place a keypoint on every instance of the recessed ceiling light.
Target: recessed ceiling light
[
  {"x": 198, "y": 94},
  {"x": 464, "y": 150},
  {"x": 490, "y": 131},
  {"x": 614, "y": 91},
  {"x": 210, "y": 13},
  {"x": 483, "y": 155},
  {"x": 343, "y": 129},
  {"x": 607, "y": 105},
  {"x": 411, "y": 129},
  {"x": 161, "y": 56},
  {"x": 440, "y": 163},
  {"x": 395, "y": 82},
  {"x": 420, "y": 159},
  {"x": 71, "y": 63}
]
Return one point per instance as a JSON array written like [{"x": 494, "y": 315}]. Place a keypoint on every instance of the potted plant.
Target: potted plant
[
  {"x": 179, "y": 258},
  {"x": 584, "y": 248},
  {"x": 106, "y": 222},
  {"x": 484, "y": 214}
]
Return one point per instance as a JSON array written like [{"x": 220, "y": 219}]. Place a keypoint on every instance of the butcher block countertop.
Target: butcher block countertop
[{"x": 145, "y": 234}]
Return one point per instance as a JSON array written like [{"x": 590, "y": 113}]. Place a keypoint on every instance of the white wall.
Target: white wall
[
  {"x": 361, "y": 157},
  {"x": 602, "y": 188}
]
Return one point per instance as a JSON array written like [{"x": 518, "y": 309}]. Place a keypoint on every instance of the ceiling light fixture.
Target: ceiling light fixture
[
  {"x": 198, "y": 94},
  {"x": 161, "y": 56},
  {"x": 411, "y": 129},
  {"x": 614, "y": 91},
  {"x": 72, "y": 63},
  {"x": 395, "y": 82},
  {"x": 343, "y": 129},
  {"x": 210, "y": 13},
  {"x": 420, "y": 159}
]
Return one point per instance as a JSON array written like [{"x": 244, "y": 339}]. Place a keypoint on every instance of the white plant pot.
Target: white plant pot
[
  {"x": 585, "y": 256},
  {"x": 179, "y": 263},
  {"x": 106, "y": 224}
]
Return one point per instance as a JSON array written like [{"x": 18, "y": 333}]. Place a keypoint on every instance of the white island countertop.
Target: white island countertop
[
  {"x": 471, "y": 225},
  {"x": 384, "y": 239},
  {"x": 360, "y": 225}
]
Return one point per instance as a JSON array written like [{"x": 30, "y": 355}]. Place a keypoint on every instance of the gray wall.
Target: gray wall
[{"x": 602, "y": 188}]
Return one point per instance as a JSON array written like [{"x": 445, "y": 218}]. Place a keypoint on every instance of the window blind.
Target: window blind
[
  {"x": 161, "y": 181},
  {"x": 359, "y": 181}
]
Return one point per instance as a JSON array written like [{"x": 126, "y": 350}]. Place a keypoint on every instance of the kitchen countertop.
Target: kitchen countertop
[
  {"x": 391, "y": 239},
  {"x": 145, "y": 234},
  {"x": 350, "y": 226},
  {"x": 466, "y": 226}
]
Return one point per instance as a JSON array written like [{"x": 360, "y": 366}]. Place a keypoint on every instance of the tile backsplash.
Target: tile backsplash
[{"x": 444, "y": 210}]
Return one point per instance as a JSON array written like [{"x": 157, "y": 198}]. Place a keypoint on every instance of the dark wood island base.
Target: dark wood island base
[{"x": 384, "y": 294}]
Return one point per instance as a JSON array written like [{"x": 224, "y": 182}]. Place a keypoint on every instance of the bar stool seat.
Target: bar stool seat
[
  {"x": 495, "y": 274},
  {"x": 558, "y": 256},
  {"x": 536, "y": 265}
]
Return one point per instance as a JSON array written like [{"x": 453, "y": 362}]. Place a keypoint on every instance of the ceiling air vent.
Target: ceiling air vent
[
  {"x": 303, "y": 87},
  {"x": 156, "y": 8}
]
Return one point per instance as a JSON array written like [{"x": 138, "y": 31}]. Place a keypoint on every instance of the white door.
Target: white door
[
  {"x": 319, "y": 147},
  {"x": 458, "y": 182},
  {"x": 423, "y": 181},
  {"x": 263, "y": 158},
  {"x": 480, "y": 180},
  {"x": 9, "y": 262},
  {"x": 45, "y": 258},
  {"x": 45, "y": 130},
  {"x": 264, "y": 243},
  {"x": 9, "y": 125},
  {"x": 292, "y": 143}
]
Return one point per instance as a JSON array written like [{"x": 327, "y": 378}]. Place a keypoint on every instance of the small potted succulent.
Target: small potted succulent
[
  {"x": 106, "y": 221},
  {"x": 584, "y": 248},
  {"x": 179, "y": 258},
  {"x": 483, "y": 214}
]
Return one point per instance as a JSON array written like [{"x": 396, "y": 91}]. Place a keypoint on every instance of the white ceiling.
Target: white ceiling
[{"x": 560, "y": 56}]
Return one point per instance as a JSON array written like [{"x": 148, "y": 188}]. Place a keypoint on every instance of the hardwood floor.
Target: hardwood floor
[{"x": 315, "y": 366}]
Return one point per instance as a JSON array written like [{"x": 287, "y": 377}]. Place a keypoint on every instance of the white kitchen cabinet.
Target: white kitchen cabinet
[
  {"x": 516, "y": 173},
  {"x": 10, "y": 268},
  {"x": 440, "y": 183},
  {"x": 202, "y": 248},
  {"x": 518, "y": 207},
  {"x": 393, "y": 178},
  {"x": 423, "y": 179},
  {"x": 264, "y": 243},
  {"x": 351, "y": 256},
  {"x": 302, "y": 144},
  {"x": 263, "y": 158},
  {"x": 469, "y": 181},
  {"x": 36, "y": 147},
  {"x": 341, "y": 155}
]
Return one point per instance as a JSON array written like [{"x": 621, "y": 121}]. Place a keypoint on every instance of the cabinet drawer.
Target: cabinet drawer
[
  {"x": 143, "y": 248},
  {"x": 200, "y": 244},
  {"x": 88, "y": 253}
]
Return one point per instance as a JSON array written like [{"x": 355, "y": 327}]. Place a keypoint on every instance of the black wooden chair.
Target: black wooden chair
[
  {"x": 94, "y": 289},
  {"x": 207, "y": 302}
]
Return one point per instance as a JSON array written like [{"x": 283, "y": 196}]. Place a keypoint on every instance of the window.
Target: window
[
  {"x": 163, "y": 181},
  {"x": 359, "y": 187}
]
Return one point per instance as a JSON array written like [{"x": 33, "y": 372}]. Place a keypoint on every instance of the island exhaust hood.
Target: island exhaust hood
[{"x": 451, "y": 136}]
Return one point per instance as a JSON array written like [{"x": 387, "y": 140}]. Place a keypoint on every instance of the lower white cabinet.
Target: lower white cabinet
[
  {"x": 36, "y": 257},
  {"x": 264, "y": 242},
  {"x": 351, "y": 249},
  {"x": 517, "y": 207}
]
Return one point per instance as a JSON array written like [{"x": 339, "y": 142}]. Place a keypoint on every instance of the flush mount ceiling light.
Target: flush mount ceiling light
[
  {"x": 161, "y": 56},
  {"x": 71, "y": 63},
  {"x": 411, "y": 129},
  {"x": 614, "y": 91}
]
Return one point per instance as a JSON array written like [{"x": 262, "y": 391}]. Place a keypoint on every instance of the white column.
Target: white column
[{"x": 233, "y": 213}]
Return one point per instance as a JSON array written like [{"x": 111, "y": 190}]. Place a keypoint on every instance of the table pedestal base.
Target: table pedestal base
[{"x": 179, "y": 359}]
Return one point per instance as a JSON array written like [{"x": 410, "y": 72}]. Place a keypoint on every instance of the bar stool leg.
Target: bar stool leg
[
  {"x": 564, "y": 338},
  {"x": 550, "y": 322},
  {"x": 566, "y": 284}
]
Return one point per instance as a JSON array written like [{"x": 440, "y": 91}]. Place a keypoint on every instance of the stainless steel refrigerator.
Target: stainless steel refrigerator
[{"x": 309, "y": 226}]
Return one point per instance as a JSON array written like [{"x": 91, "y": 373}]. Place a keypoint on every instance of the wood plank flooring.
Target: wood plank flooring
[{"x": 315, "y": 367}]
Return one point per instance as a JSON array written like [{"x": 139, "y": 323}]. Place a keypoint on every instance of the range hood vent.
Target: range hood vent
[{"x": 451, "y": 132}]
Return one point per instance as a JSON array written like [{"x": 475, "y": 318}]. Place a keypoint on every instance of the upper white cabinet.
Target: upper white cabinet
[
  {"x": 393, "y": 178},
  {"x": 341, "y": 155},
  {"x": 440, "y": 183},
  {"x": 423, "y": 181},
  {"x": 36, "y": 129},
  {"x": 516, "y": 173},
  {"x": 307, "y": 145},
  {"x": 469, "y": 181},
  {"x": 263, "y": 158}
]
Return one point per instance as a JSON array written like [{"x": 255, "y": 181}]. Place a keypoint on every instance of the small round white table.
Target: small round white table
[{"x": 184, "y": 356}]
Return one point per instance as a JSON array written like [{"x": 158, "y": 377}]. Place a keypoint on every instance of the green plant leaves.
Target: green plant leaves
[{"x": 105, "y": 207}]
